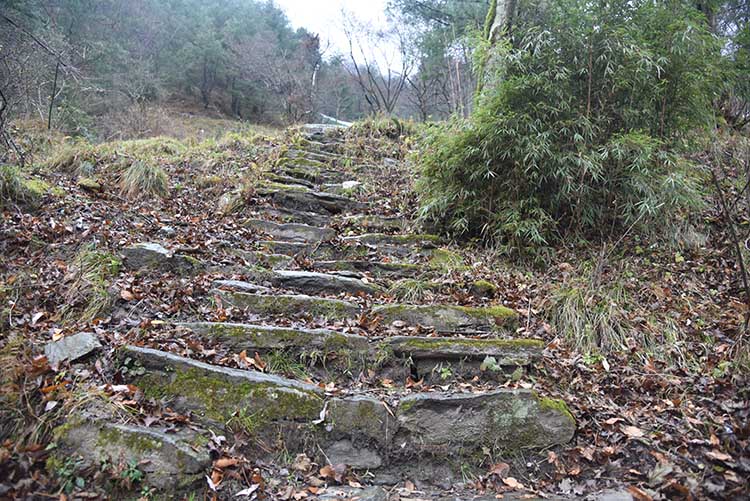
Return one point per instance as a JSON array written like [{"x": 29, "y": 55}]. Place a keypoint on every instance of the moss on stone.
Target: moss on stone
[
  {"x": 218, "y": 398},
  {"x": 90, "y": 184},
  {"x": 446, "y": 260},
  {"x": 438, "y": 343},
  {"x": 135, "y": 442},
  {"x": 489, "y": 312},
  {"x": 555, "y": 404}
]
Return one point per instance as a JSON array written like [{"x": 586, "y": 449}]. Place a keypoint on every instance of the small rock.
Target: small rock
[
  {"x": 89, "y": 184},
  {"x": 71, "y": 348},
  {"x": 155, "y": 257},
  {"x": 344, "y": 452},
  {"x": 167, "y": 231}
]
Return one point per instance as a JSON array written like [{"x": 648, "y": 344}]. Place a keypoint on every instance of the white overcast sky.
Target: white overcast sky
[{"x": 324, "y": 17}]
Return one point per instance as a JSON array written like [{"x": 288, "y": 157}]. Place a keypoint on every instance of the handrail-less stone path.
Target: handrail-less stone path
[{"x": 387, "y": 436}]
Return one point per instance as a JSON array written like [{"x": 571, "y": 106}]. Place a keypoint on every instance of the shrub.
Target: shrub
[
  {"x": 143, "y": 179},
  {"x": 12, "y": 189},
  {"x": 578, "y": 129}
]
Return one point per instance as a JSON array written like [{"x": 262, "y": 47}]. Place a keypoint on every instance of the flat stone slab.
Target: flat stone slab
[
  {"x": 290, "y": 304},
  {"x": 375, "y": 223},
  {"x": 174, "y": 461},
  {"x": 71, "y": 348},
  {"x": 446, "y": 318},
  {"x": 507, "y": 352},
  {"x": 375, "y": 268},
  {"x": 503, "y": 420},
  {"x": 265, "y": 259},
  {"x": 153, "y": 256},
  {"x": 316, "y": 283},
  {"x": 292, "y": 231},
  {"x": 283, "y": 179},
  {"x": 238, "y": 285},
  {"x": 216, "y": 393},
  {"x": 293, "y": 216},
  {"x": 259, "y": 337},
  {"x": 303, "y": 199}
]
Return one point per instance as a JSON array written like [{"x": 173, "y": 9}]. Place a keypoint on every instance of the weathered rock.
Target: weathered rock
[
  {"x": 346, "y": 188},
  {"x": 288, "y": 304},
  {"x": 316, "y": 283},
  {"x": 376, "y": 239},
  {"x": 71, "y": 348},
  {"x": 344, "y": 452},
  {"x": 375, "y": 223},
  {"x": 317, "y": 156},
  {"x": 355, "y": 494},
  {"x": 375, "y": 268},
  {"x": 238, "y": 285},
  {"x": 257, "y": 337},
  {"x": 153, "y": 256},
  {"x": 298, "y": 198},
  {"x": 294, "y": 216},
  {"x": 216, "y": 393},
  {"x": 482, "y": 289},
  {"x": 292, "y": 232},
  {"x": 172, "y": 461},
  {"x": 283, "y": 179},
  {"x": 459, "y": 424},
  {"x": 89, "y": 184},
  {"x": 265, "y": 259},
  {"x": 506, "y": 352},
  {"x": 362, "y": 418},
  {"x": 445, "y": 318}
]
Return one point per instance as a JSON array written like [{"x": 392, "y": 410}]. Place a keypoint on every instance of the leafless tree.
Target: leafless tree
[{"x": 380, "y": 62}]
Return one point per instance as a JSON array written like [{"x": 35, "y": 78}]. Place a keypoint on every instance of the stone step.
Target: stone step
[
  {"x": 360, "y": 430},
  {"x": 405, "y": 239},
  {"x": 152, "y": 256},
  {"x": 293, "y": 216},
  {"x": 312, "y": 282},
  {"x": 352, "y": 250},
  {"x": 283, "y": 179},
  {"x": 240, "y": 286},
  {"x": 374, "y": 223},
  {"x": 263, "y": 338},
  {"x": 293, "y": 232},
  {"x": 173, "y": 461},
  {"x": 375, "y": 268},
  {"x": 265, "y": 259},
  {"x": 303, "y": 199},
  {"x": 330, "y": 147},
  {"x": 318, "y": 156},
  {"x": 289, "y": 305},
  {"x": 314, "y": 173},
  {"x": 447, "y": 318},
  {"x": 399, "y": 357}
]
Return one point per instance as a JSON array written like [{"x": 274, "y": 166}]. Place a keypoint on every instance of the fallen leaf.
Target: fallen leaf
[{"x": 632, "y": 431}]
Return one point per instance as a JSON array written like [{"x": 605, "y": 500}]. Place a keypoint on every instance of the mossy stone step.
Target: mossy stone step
[
  {"x": 173, "y": 462},
  {"x": 464, "y": 424},
  {"x": 318, "y": 156},
  {"x": 357, "y": 430},
  {"x": 310, "y": 172},
  {"x": 217, "y": 393},
  {"x": 292, "y": 231},
  {"x": 239, "y": 285},
  {"x": 506, "y": 352},
  {"x": 264, "y": 338},
  {"x": 290, "y": 304},
  {"x": 447, "y": 318},
  {"x": 406, "y": 239}
]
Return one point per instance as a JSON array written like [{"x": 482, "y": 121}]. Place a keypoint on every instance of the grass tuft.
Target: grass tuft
[
  {"x": 89, "y": 292},
  {"x": 141, "y": 179},
  {"x": 12, "y": 188}
]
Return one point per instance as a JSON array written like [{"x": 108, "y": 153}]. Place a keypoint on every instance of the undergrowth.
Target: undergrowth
[{"x": 141, "y": 179}]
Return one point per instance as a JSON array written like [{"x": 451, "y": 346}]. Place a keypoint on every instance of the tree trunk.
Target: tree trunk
[{"x": 52, "y": 95}]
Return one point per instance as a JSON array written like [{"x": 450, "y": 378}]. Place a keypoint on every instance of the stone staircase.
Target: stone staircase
[{"x": 394, "y": 391}]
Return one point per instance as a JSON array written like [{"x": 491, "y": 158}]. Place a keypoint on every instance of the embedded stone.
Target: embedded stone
[
  {"x": 344, "y": 452},
  {"x": 290, "y": 304},
  {"x": 155, "y": 257},
  {"x": 507, "y": 352},
  {"x": 375, "y": 268},
  {"x": 216, "y": 393},
  {"x": 363, "y": 418},
  {"x": 314, "y": 282},
  {"x": 238, "y": 285},
  {"x": 171, "y": 461},
  {"x": 71, "y": 348},
  {"x": 258, "y": 337},
  {"x": 502, "y": 420},
  {"x": 292, "y": 231},
  {"x": 446, "y": 318}
]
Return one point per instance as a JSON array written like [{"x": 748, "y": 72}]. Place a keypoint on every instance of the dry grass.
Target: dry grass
[
  {"x": 12, "y": 189},
  {"x": 141, "y": 179},
  {"x": 88, "y": 295}
]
